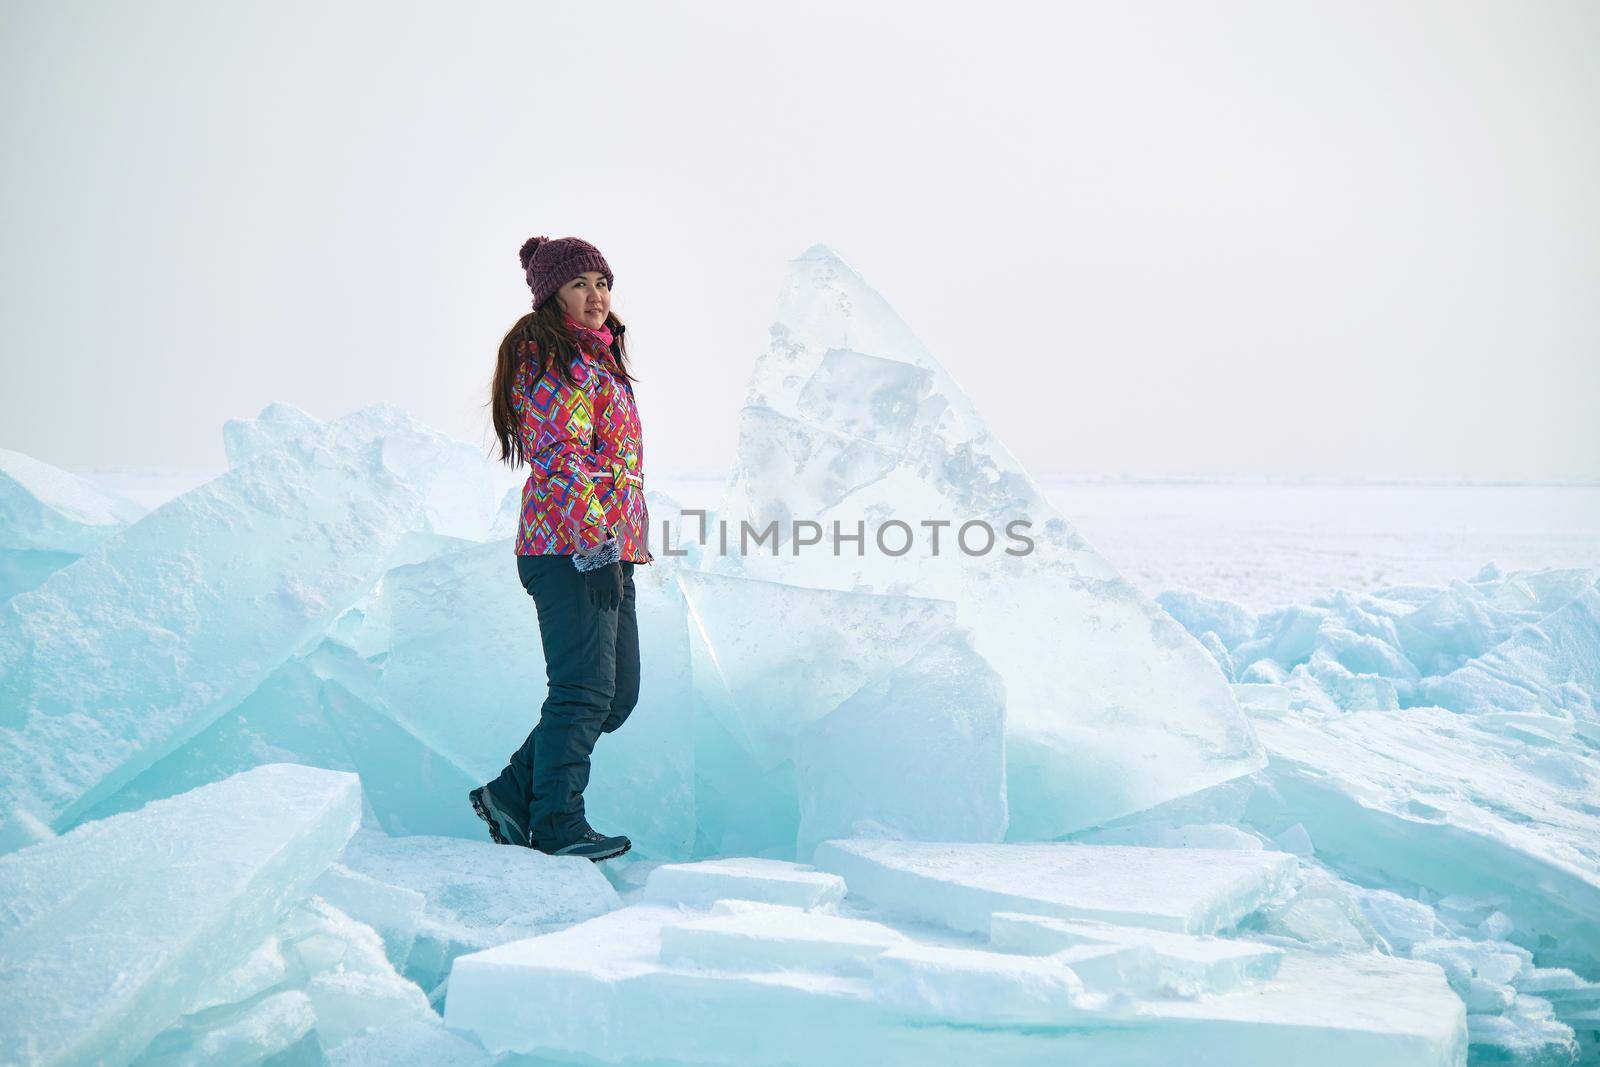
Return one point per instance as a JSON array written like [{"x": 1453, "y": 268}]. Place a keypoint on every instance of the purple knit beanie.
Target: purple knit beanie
[{"x": 551, "y": 264}]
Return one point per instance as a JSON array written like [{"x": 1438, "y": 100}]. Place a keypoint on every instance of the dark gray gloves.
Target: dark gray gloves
[
  {"x": 605, "y": 586},
  {"x": 602, "y": 572}
]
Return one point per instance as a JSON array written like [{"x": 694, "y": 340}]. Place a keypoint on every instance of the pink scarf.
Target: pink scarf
[{"x": 603, "y": 333}]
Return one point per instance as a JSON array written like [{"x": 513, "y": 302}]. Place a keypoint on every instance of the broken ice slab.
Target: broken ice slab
[
  {"x": 964, "y": 986},
  {"x": 743, "y": 878},
  {"x": 46, "y": 509},
  {"x": 1184, "y": 965},
  {"x": 942, "y": 714},
  {"x": 305, "y": 712},
  {"x": 393, "y": 911},
  {"x": 754, "y": 699},
  {"x": 1527, "y": 1034},
  {"x": 1262, "y": 698},
  {"x": 1425, "y": 797},
  {"x": 111, "y": 931},
  {"x": 478, "y": 894},
  {"x": 461, "y": 488},
  {"x": 264, "y": 1028},
  {"x": 743, "y": 935},
  {"x": 141, "y": 644},
  {"x": 245, "y": 439},
  {"x": 323, "y": 969},
  {"x": 1550, "y": 664},
  {"x": 1186, "y": 890},
  {"x": 347, "y": 973},
  {"x": 765, "y": 692},
  {"x": 262, "y": 969},
  {"x": 1340, "y": 1009},
  {"x": 850, "y": 423},
  {"x": 621, "y": 1002},
  {"x": 1200, "y": 614},
  {"x": 48, "y": 518}
]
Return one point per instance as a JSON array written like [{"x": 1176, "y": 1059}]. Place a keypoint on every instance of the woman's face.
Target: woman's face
[{"x": 586, "y": 298}]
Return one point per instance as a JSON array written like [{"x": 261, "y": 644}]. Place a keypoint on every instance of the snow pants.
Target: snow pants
[{"x": 591, "y": 658}]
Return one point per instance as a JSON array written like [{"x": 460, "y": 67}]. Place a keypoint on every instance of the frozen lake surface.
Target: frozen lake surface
[{"x": 1257, "y": 543}]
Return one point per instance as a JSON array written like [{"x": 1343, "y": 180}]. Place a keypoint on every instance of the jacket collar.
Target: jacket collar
[{"x": 591, "y": 340}]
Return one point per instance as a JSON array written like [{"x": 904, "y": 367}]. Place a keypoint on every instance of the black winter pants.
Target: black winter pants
[{"x": 591, "y": 658}]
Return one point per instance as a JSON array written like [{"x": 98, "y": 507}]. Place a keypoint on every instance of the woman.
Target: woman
[{"x": 563, "y": 403}]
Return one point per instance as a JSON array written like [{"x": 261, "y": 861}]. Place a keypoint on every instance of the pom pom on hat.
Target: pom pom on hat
[{"x": 529, "y": 247}]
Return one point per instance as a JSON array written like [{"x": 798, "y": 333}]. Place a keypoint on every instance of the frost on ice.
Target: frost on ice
[{"x": 893, "y": 809}]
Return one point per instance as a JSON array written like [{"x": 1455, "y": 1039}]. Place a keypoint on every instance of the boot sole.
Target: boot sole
[{"x": 595, "y": 858}]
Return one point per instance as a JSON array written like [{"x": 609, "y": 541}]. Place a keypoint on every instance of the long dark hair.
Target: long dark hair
[{"x": 542, "y": 335}]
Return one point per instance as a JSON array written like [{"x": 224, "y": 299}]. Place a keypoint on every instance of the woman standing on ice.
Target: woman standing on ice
[{"x": 563, "y": 403}]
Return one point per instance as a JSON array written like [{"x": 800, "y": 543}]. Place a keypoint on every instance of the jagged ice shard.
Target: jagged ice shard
[
  {"x": 119, "y": 658},
  {"x": 112, "y": 931},
  {"x": 1111, "y": 706},
  {"x": 48, "y": 518}
]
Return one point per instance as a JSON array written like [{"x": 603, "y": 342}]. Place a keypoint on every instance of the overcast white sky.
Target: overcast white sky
[{"x": 1337, "y": 239}]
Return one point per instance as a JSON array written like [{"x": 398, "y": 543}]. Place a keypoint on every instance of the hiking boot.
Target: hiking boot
[
  {"x": 504, "y": 828},
  {"x": 591, "y": 845}
]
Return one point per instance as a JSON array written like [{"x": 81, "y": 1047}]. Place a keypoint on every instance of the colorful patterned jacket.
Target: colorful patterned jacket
[{"x": 585, "y": 452}]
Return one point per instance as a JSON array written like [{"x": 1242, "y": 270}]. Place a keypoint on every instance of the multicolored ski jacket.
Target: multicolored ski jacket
[{"x": 585, "y": 452}]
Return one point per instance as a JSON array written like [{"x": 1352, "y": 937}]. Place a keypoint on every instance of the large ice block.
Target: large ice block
[
  {"x": 461, "y": 488},
  {"x": 833, "y": 644},
  {"x": 1112, "y": 707},
  {"x": 754, "y": 696},
  {"x": 245, "y": 439},
  {"x": 46, "y": 509},
  {"x": 743, "y": 878},
  {"x": 621, "y": 989},
  {"x": 477, "y": 894},
  {"x": 348, "y": 975},
  {"x": 1429, "y": 797},
  {"x": 122, "y": 657},
  {"x": 1186, "y": 890},
  {"x": 942, "y": 716},
  {"x": 111, "y": 931},
  {"x": 744, "y": 935},
  {"x": 320, "y": 709},
  {"x": 48, "y": 518},
  {"x": 395, "y": 912},
  {"x": 1184, "y": 964},
  {"x": 267, "y": 1027},
  {"x": 963, "y": 986}
]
